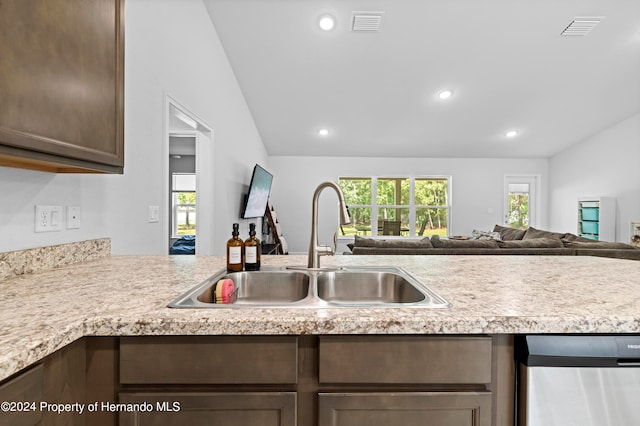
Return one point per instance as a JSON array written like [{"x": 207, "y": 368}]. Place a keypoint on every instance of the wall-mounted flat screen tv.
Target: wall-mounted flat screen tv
[{"x": 259, "y": 189}]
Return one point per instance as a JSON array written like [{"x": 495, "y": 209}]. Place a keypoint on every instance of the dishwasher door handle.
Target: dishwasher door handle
[{"x": 630, "y": 362}]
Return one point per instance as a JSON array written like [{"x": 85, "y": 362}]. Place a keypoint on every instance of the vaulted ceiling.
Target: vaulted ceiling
[{"x": 376, "y": 92}]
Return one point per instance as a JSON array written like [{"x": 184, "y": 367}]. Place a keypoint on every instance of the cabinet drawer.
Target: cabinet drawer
[
  {"x": 220, "y": 408},
  {"x": 407, "y": 409},
  {"x": 209, "y": 360},
  {"x": 25, "y": 388},
  {"x": 405, "y": 359}
]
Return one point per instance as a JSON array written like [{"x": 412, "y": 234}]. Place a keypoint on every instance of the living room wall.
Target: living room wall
[
  {"x": 477, "y": 189},
  {"x": 171, "y": 48},
  {"x": 606, "y": 164}
]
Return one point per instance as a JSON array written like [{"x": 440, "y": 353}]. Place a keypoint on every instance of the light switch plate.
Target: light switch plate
[
  {"x": 48, "y": 218},
  {"x": 154, "y": 214},
  {"x": 73, "y": 217}
]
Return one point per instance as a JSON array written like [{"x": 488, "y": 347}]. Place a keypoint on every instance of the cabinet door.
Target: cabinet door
[
  {"x": 62, "y": 84},
  {"x": 26, "y": 387},
  {"x": 406, "y": 409},
  {"x": 228, "y": 409}
]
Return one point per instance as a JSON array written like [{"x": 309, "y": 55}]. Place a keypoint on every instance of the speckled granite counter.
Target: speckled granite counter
[{"x": 127, "y": 295}]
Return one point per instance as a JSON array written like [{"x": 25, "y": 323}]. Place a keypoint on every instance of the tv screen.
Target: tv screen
[{"x": 258, "y": 195}]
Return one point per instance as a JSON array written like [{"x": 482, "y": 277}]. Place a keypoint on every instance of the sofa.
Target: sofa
[{"x": 501, "y": 241}]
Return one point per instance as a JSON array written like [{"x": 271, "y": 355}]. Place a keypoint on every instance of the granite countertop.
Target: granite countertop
[{"x": 128, "y": 295}]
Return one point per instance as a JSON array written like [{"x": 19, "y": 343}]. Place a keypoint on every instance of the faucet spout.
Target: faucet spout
[{"x": 316, "y": 250}]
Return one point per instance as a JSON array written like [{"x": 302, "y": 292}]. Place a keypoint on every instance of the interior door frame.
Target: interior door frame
[{"x": 204, "y": 175}]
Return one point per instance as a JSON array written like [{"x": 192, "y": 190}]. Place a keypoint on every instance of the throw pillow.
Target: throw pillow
[
  {"x": 572, "y": 237},
  {"x": 509, "y": 234},
  {"x": 484, "y": 235},
  {"x": 438, "y": 243},
  {"x": 397, "y": 243},
  {"x": 538, "y": 233}
]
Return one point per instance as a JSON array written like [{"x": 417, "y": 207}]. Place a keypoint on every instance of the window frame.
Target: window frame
[{"x": 375, "y": 207}]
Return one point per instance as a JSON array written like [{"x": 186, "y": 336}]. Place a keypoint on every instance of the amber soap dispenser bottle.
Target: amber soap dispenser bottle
[
  {"x": 252, "y": 250},
  {"x": 235, "y": 251}
]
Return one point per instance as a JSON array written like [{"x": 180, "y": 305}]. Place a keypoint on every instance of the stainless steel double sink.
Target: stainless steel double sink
[{"x": 344, "y": 287}]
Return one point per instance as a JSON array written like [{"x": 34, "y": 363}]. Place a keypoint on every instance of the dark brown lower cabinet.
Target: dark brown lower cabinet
[
  {"x": 406, "y": 409},
  {"x": 216, "y": 408},
  {"x": 307, "y": 380},
  {"x": 58, "y": 379},
  {"x": 316, "y": 380},
  {"x": 27, "y": 388}
]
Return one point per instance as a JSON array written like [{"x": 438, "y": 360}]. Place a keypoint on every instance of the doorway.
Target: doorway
[
  {"x": 188, "y": 182},
  {"x": 520, "y": 201}
]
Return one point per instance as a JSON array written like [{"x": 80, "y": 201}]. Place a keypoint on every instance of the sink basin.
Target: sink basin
[
  {"x": 261, "y": 288},
  {"x": 351, "y": 286},
  {"x": 355, "y": 287}
]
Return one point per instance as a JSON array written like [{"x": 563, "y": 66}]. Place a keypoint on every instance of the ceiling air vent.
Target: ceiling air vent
[
  {"x": 366, "y": 22},
  {"x": 581, "y": 26}
]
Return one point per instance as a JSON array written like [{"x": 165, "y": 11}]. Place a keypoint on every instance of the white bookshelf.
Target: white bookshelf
[{"x": 597, "y": 218}]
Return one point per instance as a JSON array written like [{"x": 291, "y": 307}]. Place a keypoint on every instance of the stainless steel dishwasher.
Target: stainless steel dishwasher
[{"x": 586, "y": 380}]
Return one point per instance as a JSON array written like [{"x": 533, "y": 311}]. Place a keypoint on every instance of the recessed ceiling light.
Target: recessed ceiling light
[
  {"x": 511, "y": 133},
  {"x": 445, "y": 94},
  {"x": 323, "y": 132},
  {"x": 326, "y": 22}
]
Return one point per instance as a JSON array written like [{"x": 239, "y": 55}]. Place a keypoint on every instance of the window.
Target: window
[
  {"x": 183, "y": 204},
  {"x": 520, "y": 201},
  {"x": 414, "y": 206}
]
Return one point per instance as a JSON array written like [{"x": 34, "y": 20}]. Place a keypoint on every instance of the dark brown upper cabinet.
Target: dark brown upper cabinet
[{"x": 62, "y": 85}]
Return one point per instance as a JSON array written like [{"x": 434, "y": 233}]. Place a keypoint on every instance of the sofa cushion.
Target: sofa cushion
[
  {"x": 598, "y": 245},
  {"x": 509, "y": 234},
  {"x": 438, "y": 243},
  {"x": 485, "y": 235},
  {"x": 532, "y": 243},
  {"x": 393, "y": 250},
  {"x": 572, "y": 237},
  {"x": 538, "y": 233},
  {"x": 397, "y": 243}
]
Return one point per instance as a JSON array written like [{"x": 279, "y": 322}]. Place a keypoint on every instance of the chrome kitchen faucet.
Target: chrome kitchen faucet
[{"x": 316, "y": 250}]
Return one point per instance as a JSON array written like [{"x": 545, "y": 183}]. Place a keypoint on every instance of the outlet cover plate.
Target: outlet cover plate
[
  {"x": 73, "y": 217},
  {"x": 48, "y": 218}
]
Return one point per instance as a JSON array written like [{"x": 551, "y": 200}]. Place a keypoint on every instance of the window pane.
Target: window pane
[
  {"x": 186, "y": 220},
  {"x": 393, "y": 192},
  {"x": 431, "y": 222},
  {"x": 357, "y": 191},
  {"x": 360, "y": 222},
  {"x": 518, "y": 215},
  {"x": 393, "y": 215},
  {"x": 431, "y": 192},
  {"x": 184, "y": 182},
  {"x": 184, "y": 198},
  {"x": 184, "y": 213}
]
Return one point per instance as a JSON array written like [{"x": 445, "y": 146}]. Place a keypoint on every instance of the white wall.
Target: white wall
[
  {"x": 171, "y": 47},
  {"x": 477, "y": 189},
  {"x": 606, "y": 164},
  {"x": 23, "y": 189}
]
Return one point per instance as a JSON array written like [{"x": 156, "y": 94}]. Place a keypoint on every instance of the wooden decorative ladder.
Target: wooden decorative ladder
[{"x": 276, "y": 230}]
